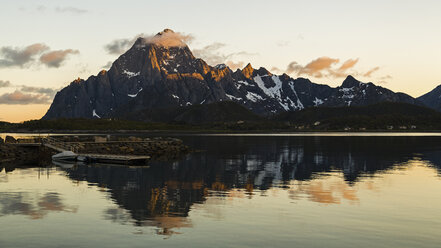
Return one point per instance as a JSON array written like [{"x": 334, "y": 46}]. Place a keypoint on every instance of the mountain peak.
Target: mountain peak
[
  {"x": 166, "y": 38},
  {"x": 349, "y": 82},
  {"x": 248, "y": 70},
  {"x": 165, "y": 31}
]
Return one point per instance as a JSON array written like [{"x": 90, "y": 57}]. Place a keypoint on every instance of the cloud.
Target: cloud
[
  {"x": 108, "y": 65},
  {"x": 119, "y": 46},
  {"x": 18, "y": 97},
  {"x": 384, "y": 79},
  {"x": 342, "y": 70},
  {"x": 56, "y": 58},
  {"x": 169, "y": 38},
  {"x": 276, "y": 70},
  {"x": 4, "y": 84},
  {"x": 166, "y": 38},
  {"x": 213, "y": 56},
  {"x": 24, "y": 57},
  {"x": 70, "y": 10},
  {"x": 328, "y": 67},
  {"x": 21, "y": 57},
  {"x": 235, "y": 65},
  {"x": 39, "y": 90},
  {"x": 314, "y": 68},
  {"x": 348, "y": 64},
  {"x": 27, "y": 94},
  {"x": 293, "y": 67},
  {"x": 371, "y": 71}
]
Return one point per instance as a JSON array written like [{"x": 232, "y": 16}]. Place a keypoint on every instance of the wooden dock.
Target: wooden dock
[{"x": 58, "y": 149}]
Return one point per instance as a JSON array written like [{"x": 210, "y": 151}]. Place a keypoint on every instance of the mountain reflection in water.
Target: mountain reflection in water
[{"x": 163, "y": 194}]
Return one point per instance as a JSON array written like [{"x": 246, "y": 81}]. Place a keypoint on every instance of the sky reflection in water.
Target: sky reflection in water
[{"x": 237, "y": 192}]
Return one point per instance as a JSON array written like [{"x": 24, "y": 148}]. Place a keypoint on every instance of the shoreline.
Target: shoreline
[{"x": 223, "y": 133}]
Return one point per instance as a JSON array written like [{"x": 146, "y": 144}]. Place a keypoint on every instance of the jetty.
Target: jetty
[
  {"x": 96, "y": 149},
  {"x": 61, "y": 146}
]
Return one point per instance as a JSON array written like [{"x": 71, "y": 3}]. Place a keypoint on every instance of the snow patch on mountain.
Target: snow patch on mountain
[
  {"x": 253, "y": 97},
  {"x": 130, "y": 74},
  {"x": 233, "y": 97},
  {"x": 348, "y": 93},
  {"x": 135, "y": 95},
  {"x": 299, "y": 104},
  {"x": 94, "y": 114},
  {"x": 272, "y": 91},
  {"x": 242, "y": 83},
  {"x": 220, "y": 66},
  {"x": 317, "y": 101}
]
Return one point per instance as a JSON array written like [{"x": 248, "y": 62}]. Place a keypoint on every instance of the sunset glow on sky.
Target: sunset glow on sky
[{"x": 46, "y": 44}]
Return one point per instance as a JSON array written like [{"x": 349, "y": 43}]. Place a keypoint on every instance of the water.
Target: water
[{"x": 238, "y": 191}]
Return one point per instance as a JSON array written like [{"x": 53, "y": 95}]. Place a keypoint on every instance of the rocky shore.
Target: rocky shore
[{"x": 13, "y": 155}]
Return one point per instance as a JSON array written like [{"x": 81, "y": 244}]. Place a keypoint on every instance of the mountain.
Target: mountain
[
  {"x": 432, "y": 99},
  {"x": 373, "y": 117},
  {"x": 162, "y": 73},
  {"x": 355, "y": 93}
]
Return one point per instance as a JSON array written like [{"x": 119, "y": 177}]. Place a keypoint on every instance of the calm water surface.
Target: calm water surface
[{"x": 239, "y": 191}]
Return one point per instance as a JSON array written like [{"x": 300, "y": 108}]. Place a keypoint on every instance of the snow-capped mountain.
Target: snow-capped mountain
[{"x": 157, "y": 73}]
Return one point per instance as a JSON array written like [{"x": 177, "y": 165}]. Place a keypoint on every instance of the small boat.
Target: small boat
[{"x": 65, "y": 156}]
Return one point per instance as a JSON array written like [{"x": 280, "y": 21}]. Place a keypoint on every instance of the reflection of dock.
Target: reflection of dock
[{"x": 115, "y": 159}]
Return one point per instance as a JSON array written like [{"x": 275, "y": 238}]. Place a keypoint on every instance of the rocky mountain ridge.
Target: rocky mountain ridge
[{"x": 153, "y": 75}]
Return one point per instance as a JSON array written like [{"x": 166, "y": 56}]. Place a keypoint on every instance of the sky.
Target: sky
[{"x": 46, "y": 44}]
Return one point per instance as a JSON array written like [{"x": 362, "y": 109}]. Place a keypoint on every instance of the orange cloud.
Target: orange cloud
[
  {"x": 314, "y": 68},
  {"x": 18, "y": 97},
  {"x": 348, "y": 64},
  {"x": 324, "y": 67},
  {"x": 369, "y": 73},
  {"x": 166, "y": 38},
  {"x": 235, "y": 65}
]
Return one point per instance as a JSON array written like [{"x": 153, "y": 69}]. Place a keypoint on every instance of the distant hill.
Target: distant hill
[
  {"x": 230, "y": 116},
  {"x": 4, "y": 125},
  {"x": 376, "y": 116},
  {"x": 432, "y": 99},
  {"x": 195, "y": 114}
]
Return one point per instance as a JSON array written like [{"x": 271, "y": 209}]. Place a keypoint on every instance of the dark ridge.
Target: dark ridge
[
  {"x": 225, "y": 111},
  {"x": 432, "y": 99},
  {"x": 376, "y": 116}
]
